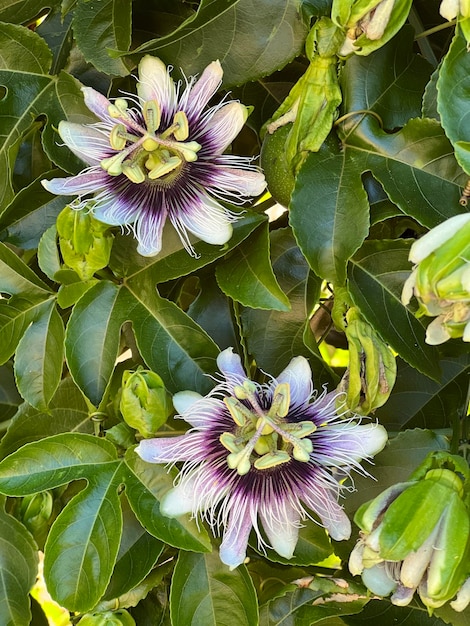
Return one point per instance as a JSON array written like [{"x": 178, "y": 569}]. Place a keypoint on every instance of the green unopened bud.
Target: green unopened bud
[
  {"x": 35, "y": 512},
  {"x": 108, "y": 618},
  {"x": 145, "y": 403},
  {"x": 85, "y": 243}
]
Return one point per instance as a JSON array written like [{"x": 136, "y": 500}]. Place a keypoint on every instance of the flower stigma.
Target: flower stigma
[{"x": 264, "y": 438}]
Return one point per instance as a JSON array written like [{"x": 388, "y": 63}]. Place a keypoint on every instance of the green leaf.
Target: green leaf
[
  {"x": 83, "y": 542},
  {"x": 376, "y": 277},
  {"x": 329, "y": 211},
  {"x": 56, "y": 30},
  {"x": 39, "y": 358},
  {"x": 9, "y": 396},
  {"x": 68, "y": 412},
  {"x": 205, "y": 591},
  {"x": 146, "y": 484},
  {"x": 16, "y": 277},
  {"x": 221, "y": 29},
  {"x": 381, "y": 611},
  {"x": 273, "y": 338},
  {"x": 100, "y": 26},
  {"x": 25, "y": 11},
  {"x": 247, "y": 276},
  {"x": 313, "y": 546},
  {"x": 53, "y": 461},
  {"x": 138, "y": 553},
  {"x": 19, "y": 566},
  {"x": 23, "y": 50},
  {"x": 452, "y": 98}
]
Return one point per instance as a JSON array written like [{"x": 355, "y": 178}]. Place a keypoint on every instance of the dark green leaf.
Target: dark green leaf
[
  {"x": 10, "y": 399},
  {"x": 19, "y": 565},
  {"x": 25, "y": 11},
  {"x": 57, "y": 32},
  {"x": 23, "y": 50},
  {"x": 37, "y": 374},
  {"x": 389, "y": 615},
  {"x": 221, "y": 29},
  {"x": 102, "y": 25},
  {"x": 68, "y": 412},
  {"x": 247, "y": 276},
  {"x": 146, "y": 484},
  {"x": 52, "y": 462},
  {"x": 16, "y": 277},
  {"x": 312, "y": 547},
  {"x": 205, "y": 591},
  {"x": 329, "y": 211},
  {"x": 376, "y": 277},
  {"x": 83, "y": 542}
]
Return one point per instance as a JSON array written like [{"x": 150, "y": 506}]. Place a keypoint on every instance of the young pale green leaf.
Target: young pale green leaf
[
  {"x": 205, "y": 591},
  {"x": 23, "y": 50},
  {"x": 48, "y": 253},
  {"x": 146, "y": 484},
  {"x": 19, "y": 566},
  {"x": 376, "y": 277},
  {"x": 452, "y": 98},
  {"x": 138, "y": 553},
  {"x": 68, "y": 412},
  {"x": 53, "y": 461},
  {"x": 247, "y": 276},
  {"x": 275, "y": 337},
  {"x": 221, "y": 29},
  {"x": 16, "y": 314},
  {"x": 83, "y": 542},
  {"x": 39, "y": 358},
  {"x": 92, "y": 338},
  {"x": 102, "y": 25},
  {"x": 329, "y": 211}
]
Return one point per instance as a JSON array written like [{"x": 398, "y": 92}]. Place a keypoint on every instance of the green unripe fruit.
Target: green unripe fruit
[{"x": 276, "y": 168}]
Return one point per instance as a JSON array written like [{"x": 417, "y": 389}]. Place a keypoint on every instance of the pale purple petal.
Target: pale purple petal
[
  {"x": 205, "y": 218},
  {"x": 324, "y": 503},
  {"x": 148, "y": 231},
  {"x": 201, "y": 413},
  {"x": 281, "y": 524},
  {"x": 87, "y": 181},
  {"x": 349, "y": 443},
  {"x": 299, "y": 376},
  {"x": 231, "y": 367},
  {"x": 237, "y": 531},
  {"x": 222, "y": 127},
  {"x": 241, "y": 182},
  {"x": 88, "y": 143},
  {"x": 114, "y": 210},
  {"x": 155, "y": 83},
  {"x": 186, "y": 447},
  {"x": 98, "y": 104},
  {"x": 203, "y": 90}
]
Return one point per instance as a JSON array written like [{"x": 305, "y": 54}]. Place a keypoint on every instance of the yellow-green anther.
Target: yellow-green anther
[
  {"x": 239, "y": 413},
  {"x": 281, "y": 401},
  {"x": 188, "y": 150},
  {"x": 113, "y": 165},
  {"x": 230, "y": 442},
  {"x": 301, "y": 429},
  {"x": 152, "y": 115},
  {"x": 182, "y": 127},
  {"x": 264, "y": 424},
  {"x": 164, "y": 167},
  {"x": 302, "y": 450},
  {"x": 150, "y": 144},
  {"x": 278, "y": 457},
  {"x": 240, "y": 461},
  {"x": 134, "y": 172},
  {"x": 118, "y": 109},
  {"x": 117, "y": 139}
]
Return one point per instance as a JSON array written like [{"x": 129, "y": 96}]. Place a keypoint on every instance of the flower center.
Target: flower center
[
  {"x": 143, "y": 153},
  {"x": 264, "y": 438}
]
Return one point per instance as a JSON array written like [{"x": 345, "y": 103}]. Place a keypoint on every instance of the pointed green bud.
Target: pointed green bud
[
  {"x": 145, "y": 403},
  {"x": 272, "y": 459},
  {"x": 108, "y": 618},
  {"x": 35, "y": 512}
]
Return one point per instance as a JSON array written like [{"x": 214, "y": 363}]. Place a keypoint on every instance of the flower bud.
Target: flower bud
[
  {"x": 371, "y": 372},
  {"x": 108, "y": 618},
  {"x": 145, "y": 403},
  {"x": 440, "y": 280},
  {"x": 35, "y": 512},
  {"x": 84, "y": 242},
  {"x": 416, "y": 535}
]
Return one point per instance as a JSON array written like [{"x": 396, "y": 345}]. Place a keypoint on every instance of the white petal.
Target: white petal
[
  {"x": 206, "y": 219},
  {"x": 83, "y": 183},
  {"x": 98, "y": 104},
  {"x": 203, "y": 90},
  {"x": 155, "y": 83},
  {"x": 171, "y": 449},
  {"x": 355, "y": 564},
  {"x": 408, "y": 288},
  {"x": 222, "y": 127},
  {"x": 242, "y": 181},
  {"x": 466, "y": 332},
  {"x": 378, "y": 581},
  {"x": 236, "y": 534},
  {"x": 436, "y": 237},
  {"x": 449, "y": 9},
  {"x": 88, "y": 143},
  {"x": 282, "y": 528},
  {"x": 184, "y": 400},
  {"x": 180, "y": 500},
  {"x": 148, "y": 231},
  {"x": 230, "y": 364},
  {"x": 299, "y": 376},
  {"x": 436, "y": 332},
  {"x": 198, "y": 411},
  {"x": 323, "y": 502}
]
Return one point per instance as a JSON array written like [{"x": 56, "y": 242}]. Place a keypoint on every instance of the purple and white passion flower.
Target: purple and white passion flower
[
  {"x": 262, "y": 452},
  {"x": 161, "y": 158}
]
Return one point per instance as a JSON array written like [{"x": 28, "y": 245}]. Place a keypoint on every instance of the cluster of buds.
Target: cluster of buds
[
  {"x": 460, "y": 10},
  {"x": 368, "y": 23},
  {"x": 440, "y": 280},
  {"x": 145, "y": 404},
  {"x": 371, "y": 373},
  {"x": 85, "y": 243},
  {"x": 415, "y": 536}
]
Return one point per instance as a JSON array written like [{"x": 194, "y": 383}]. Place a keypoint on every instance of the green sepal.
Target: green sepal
[{"x": 368, "y": 513}]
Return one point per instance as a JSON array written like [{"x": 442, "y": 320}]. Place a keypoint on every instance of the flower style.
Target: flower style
[
  {"x": 266, "y": 451},
  {"x": 162, "y": 158}
]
